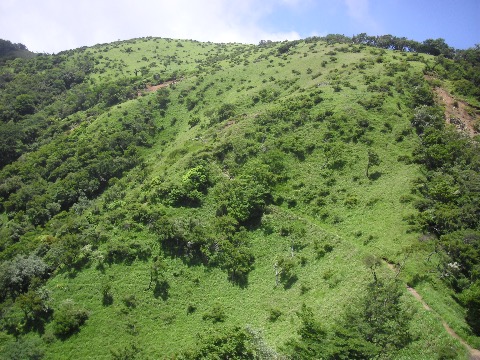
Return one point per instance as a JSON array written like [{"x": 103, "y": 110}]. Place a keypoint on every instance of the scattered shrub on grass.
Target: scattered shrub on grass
[
  {"x": 215, "y": 314},
  {"x": 274, "y": 314},
  {"x": 128, "y": 352},
  {"x": 68, "y": 319},
  {"x": 107, "y": 296},
  {"x": 130, "y": 301}
]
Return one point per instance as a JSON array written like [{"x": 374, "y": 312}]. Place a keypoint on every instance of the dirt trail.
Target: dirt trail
[
  {"x": 474, "y": 353},
  {"x": 417, "y": 296},
  {"x": 457, "y": 112}
]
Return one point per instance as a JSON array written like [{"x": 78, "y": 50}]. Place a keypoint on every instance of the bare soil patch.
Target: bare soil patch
[
  {"x": 152, "y": 88},
  {"x": 457, "y": 112}
]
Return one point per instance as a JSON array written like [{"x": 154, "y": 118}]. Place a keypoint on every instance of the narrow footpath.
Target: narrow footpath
[{"x": 474, "y": 353}]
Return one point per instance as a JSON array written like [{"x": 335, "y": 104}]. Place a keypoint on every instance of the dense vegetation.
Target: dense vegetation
[{"x": 165, "y": 198}]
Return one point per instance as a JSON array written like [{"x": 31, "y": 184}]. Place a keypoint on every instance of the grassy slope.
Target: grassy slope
[{"x": 371, "y": 223}]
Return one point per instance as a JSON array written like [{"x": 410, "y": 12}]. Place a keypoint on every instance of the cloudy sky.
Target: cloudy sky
[{"x": 54, "y": 25}]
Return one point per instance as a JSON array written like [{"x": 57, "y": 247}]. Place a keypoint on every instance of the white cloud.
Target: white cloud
[
  {"x": 359, "y": 10},
  {"x": 55, "y": 25}
]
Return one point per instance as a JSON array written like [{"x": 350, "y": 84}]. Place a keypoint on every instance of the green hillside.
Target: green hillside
[{"x": 169, "y": 199}]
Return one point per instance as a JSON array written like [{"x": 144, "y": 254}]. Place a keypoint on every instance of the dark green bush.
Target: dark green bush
[
  {"x": 215, "y": 314},
  {"x": 68, "y": 319}
]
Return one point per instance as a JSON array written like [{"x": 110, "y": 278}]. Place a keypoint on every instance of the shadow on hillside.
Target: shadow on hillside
[
  {"x": 190, "y": 254},
  {"x": 290, "y": 282},
  {"x": 417, "y": 279},
  {"x": 161, "y": 290},
  {"x": 239, "y": 280},
  {"x": 375, "y": 176}
]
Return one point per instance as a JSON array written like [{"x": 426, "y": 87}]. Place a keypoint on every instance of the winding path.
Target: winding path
[{"x": 474, "y": 353}]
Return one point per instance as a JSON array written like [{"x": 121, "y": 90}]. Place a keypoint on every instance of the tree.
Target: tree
[
  {"x": 318, "y": 342},
  {"x": 163, "y": 99},
  {"x": 12, "y": 136},
  {"x": 225, "y": 111},
  {"x": 196, "y": 178},
  {"x": 242, "y": 198},
  {"x": 24, "y": 104},
  {"x": 17, "y": 274},
  {"x": 381, "y": 319},
  {"x": 236, "y": 257},
  {"x": 471, "y": 301},
  {"x": 25, "y": 348},
  {"x": 427, "y": 116},
  {"x": 437, "y": 47},
  {"x": 35, "y": 305},
  {"x": 373, "y": 160}
]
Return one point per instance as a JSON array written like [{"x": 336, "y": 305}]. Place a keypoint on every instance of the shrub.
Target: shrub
[
  {"x": 130, "y": 301},
  {"x": 107, "y": 296},
  {"x": 24, "y": 349},
  {"x": 274, "y": 314},
  {"x": 128, "y": 352},
  {"x": 225, "y": 112},
  {"x": 68, "y": 319},
  {"x": 216, "y": 314},
  {"x": 191, "y": 308}
]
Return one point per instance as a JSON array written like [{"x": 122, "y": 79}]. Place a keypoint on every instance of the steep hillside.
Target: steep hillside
[{"x": 177, "y": 199}]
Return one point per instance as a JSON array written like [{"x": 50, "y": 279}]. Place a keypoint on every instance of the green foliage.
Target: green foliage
[
  {"x": 274, "y": 314},
  {"x": 24, "y": 349},
  {"x": 234, "y": 253},
  {"x": 232, "y": 343},
  {"x": 68, "y": 319},
  {"x": 285, "y": 267},
  {"x": 242, "y": 198},
  {"x": 215, "y": 314},
  {"x": 225, "y": 112},
  {"x": 382, "y": 320},
  {"x": 107, "y": 296},
  {"x": 471, "y": 300},
  {"x": 163, "y": 98},
  {"x": 373, "y": 160},
  {"x": 17, "y": 274},
  {"x": 129, "y": 352},
  {"x": 24, "y": 104},
  {"x": 379, "y": 326},
  {"x": 35, "y": 305},
  {"x": 316, "y": 342},
  {"x": 427, "y": 117},
  {"x": 196, "y": 178}
]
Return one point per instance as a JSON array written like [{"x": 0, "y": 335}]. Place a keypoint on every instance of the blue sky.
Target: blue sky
[{"x": 54, "y": 25}]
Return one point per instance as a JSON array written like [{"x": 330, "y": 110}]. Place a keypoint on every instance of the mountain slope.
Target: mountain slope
[{"x": 253, "y": 180}]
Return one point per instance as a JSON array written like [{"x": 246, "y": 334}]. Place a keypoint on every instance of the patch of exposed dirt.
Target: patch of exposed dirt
[
  {"x": 457, "y": 112},
  {"x": 152, "y": 88}
]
